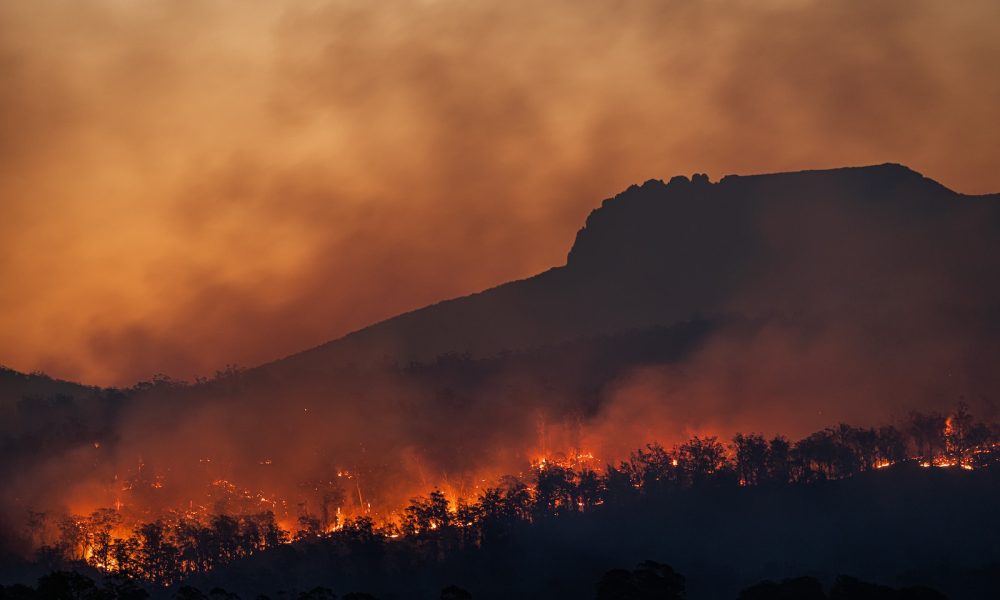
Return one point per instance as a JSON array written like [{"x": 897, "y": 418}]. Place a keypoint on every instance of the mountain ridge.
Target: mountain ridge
[
  {"x": 549, "y": 307},
  {"x": 711, "y": 225}
]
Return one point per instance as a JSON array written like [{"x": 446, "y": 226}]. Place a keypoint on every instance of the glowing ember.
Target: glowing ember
[{"x": 111, "y": 539}]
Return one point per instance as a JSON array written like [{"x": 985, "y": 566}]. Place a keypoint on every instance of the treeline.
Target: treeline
[
  {"x": 169, "y": 550},
  {"x": 164, "y": 551}
]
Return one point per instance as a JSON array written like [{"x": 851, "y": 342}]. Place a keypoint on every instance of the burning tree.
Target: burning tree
[{"x": 164, "y": 550}]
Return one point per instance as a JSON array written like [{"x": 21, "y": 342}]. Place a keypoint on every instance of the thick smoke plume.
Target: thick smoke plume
[{"x": 188, "y": 185}]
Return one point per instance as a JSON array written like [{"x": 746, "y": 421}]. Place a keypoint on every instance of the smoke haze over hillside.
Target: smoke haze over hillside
[
  {"x": 191, "y": 184},
  {"x": 779, "y": 304}
]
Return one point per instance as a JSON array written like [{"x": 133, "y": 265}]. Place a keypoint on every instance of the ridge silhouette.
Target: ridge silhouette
[
  {"x": 666, "y": 252},
  {"x": 673, "y": 298}
]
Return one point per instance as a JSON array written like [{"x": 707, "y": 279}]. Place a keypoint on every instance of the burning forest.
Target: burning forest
[
  {"x": 408, "y": 299},
  {"x": 140, "y": 537},
  {"x": 598, "y": 411}
]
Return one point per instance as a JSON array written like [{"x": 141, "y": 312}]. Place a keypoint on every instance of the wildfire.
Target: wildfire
[
  {"x": 558, "y": 482},
  {"x": 946, "y": 463},
  {"x": 571, "y": 461}
]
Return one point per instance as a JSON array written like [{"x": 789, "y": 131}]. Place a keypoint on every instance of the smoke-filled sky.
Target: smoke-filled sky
[{"x": 186, "y": 184}]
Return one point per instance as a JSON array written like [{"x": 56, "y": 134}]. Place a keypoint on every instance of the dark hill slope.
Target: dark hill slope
[
  {"x": 880, "y": 238},
  {"x": 15, "y": 385}
]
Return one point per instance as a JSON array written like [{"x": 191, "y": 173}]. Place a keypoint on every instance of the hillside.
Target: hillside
[
  {"x": 777, "y": 304},
  {"x": 662, "y": 253}
]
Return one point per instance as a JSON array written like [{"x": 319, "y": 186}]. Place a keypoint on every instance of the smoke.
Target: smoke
[
  {"x": 187, "y": 185},
  {"x": 193, "y": 184}
]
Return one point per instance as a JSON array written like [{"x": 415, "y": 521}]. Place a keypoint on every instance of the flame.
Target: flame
[{"x": 141, "y": 495}]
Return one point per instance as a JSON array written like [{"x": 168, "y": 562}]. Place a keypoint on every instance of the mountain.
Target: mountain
[
  {"x": 874, "y": 239},
  {"x": 772, "y": 303},
  {"x": 776, "y": 304}
]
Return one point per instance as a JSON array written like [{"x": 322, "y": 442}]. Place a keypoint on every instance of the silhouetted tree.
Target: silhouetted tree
[
  {"x": 701, "y": 458},
  {"x": 779, "y": 468},
  {"x": 99, "y": 527},
  {"x": 501, "y": 507},
  {"x": 816, "y": 456},
  {"x": 620, "y": 485},
  {"x": 653, "y": 468},
  {"x": 751, "y": 458},
  {"x": 890, "y": 444},
  {"x": 158, "y": 558},
  {"x": 360, "y": 530},
  {"x": 260, "y": 532},
  {"x": 228, "y": 536},
  {"x": 467, "y": 517},
  {"x": 858, "y": 449},
  {"x": 72, "y": 538},
  {"x": 516, "y": 499},
  {"x": 127, "y": 561},
  {"x": 956, "y": 432},
  {"x": 310, "y": 526},
  {"x": 589, "y": 489},
  {"x": 196, "y": 545},
  {"x": 554, "y": 490},
  {"x": 927, "y": 431},
  {"x": 425, "y": 515}
]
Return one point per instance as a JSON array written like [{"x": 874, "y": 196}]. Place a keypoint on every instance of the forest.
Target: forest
[{"x": 560, "y": 493}]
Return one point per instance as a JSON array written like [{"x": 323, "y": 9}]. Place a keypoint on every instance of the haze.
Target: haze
[{"x": 189, "y": 184}]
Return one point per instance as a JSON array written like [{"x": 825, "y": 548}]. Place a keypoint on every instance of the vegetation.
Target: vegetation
[{"x": 171, "y": 549}]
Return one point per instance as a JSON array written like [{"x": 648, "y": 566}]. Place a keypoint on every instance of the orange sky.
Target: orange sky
[{"x": 186, "y": 184}]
